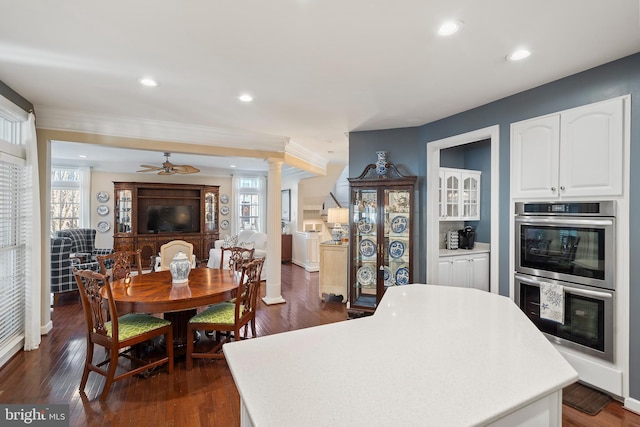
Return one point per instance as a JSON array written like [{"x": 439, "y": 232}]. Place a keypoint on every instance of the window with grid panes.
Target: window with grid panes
[
  {"x": 66, "y": 205},
  {"x": 250, "y": 199}
]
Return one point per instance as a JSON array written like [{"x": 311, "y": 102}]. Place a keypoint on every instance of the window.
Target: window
[
  {"x": 69, "y": 200},
  {"x": 15, "y": 219},
  {"x": 250, "y": 205}
]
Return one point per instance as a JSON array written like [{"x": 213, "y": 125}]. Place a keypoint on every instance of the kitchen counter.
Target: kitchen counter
[
  {"x": 429, "y": 356},
  {"x": 477, "y": 249}
]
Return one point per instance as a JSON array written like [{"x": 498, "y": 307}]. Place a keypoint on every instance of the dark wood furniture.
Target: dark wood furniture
[
  {"x": 154, "y": 293},
  {"x": 119, "y": 335},
  {"x": 132, "y": 203},
  {"x": 120, "y": 265},
  {"x": 227, "y": 317},
  {"x": 381, "y": 236},
  {"x": 287, "y": 242}
]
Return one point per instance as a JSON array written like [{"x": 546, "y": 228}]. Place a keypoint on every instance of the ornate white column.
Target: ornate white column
[{"x": 274, "y": 241}]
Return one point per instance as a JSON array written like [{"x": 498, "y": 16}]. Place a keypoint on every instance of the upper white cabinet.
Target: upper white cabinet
[
  {"x": 459, "y": 195},
  {"x": 574, "y": 153}
]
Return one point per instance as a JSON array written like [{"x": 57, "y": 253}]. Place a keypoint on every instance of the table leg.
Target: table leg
[{"x": 179, "y": 321}]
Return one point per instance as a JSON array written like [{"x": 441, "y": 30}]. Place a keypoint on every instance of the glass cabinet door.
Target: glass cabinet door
[
  {"x": 123, "y": 211},
  {"x": 397, "y": 231},
  {"x": 365, "y": 249},
  {"x": 210, "y": 211},
  {"x": 470, "y": 196},
  {"x": 452, "y": 195}
]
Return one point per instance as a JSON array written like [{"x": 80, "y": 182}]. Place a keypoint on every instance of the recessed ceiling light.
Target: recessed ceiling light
[
  {"x": 245, "y": 97},
  {"x": 82, "y": 156},
  {"x": 449, "y": 27},
  {"x": 518, "y": 55},
  {"x": 232, "y": 166},
  {"x": 148, "y": 81}
]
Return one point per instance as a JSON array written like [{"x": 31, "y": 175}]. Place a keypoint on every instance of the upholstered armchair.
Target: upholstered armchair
[
  {"x": 62, "y": 278},
  {"x": 83, "y": 244}
]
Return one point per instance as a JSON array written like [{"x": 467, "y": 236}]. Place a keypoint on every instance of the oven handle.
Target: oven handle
[
  {"x": 563, "y": 221},
  {"x": 576, "y": 291}
]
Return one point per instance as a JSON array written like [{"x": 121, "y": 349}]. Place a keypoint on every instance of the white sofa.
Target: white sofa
[{"x": 258, "y": 240}]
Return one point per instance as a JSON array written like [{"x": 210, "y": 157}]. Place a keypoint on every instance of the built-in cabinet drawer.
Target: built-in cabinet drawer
[{"x": 465, "y": 270}]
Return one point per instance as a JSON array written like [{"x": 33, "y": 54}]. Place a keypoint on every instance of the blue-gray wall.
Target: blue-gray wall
[
  {"x": 407, "y": 146},
  {"x": 474, "y": 156}
]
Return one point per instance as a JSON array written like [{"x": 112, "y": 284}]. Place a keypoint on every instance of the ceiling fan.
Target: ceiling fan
[{"x": 169, "y": 168}]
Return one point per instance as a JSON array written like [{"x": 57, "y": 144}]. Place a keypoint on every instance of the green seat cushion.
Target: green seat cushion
[
  {"x": 133, "y": 324},
  {"x": 223, "y": 313}
]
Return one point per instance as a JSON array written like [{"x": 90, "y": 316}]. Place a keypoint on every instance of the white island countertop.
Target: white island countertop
[{"x": 429, "y": 356}]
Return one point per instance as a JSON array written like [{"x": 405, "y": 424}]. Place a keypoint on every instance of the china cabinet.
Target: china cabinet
[
  {"x": 148, "y": 215},
  {"x": 459, "y": 194},
  {"x": 381, "y": 235},
  {"x": 573, "y": 153}
]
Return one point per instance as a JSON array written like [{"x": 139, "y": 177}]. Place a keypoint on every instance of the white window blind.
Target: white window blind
[{"x": 15, "y": 217}]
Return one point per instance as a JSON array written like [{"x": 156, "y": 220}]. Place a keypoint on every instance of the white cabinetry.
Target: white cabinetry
[
  {"x": 466, "y": 271},
  {"x": 574, "y": 153},
  {"x": 459, "y": 195}
]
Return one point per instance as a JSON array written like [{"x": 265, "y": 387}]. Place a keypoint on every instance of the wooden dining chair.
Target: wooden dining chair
[
  {"x": 122, "y": 264},
  {"x": 119, "y": 335},
  {"x": 227, "y": 317},
  {"x": 238, "y": 256}
]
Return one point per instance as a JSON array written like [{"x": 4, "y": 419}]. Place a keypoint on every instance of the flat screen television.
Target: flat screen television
[{"x": 162, "y": 219}]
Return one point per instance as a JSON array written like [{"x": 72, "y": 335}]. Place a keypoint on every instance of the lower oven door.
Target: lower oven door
[{"x": 588, "y": 315}]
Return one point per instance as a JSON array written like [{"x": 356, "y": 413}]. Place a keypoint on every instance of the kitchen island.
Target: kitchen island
[{"x": 429, "y": 356}]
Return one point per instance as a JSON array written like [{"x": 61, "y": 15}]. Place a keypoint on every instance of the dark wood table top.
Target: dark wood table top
[{"x": 154, "y": 293}]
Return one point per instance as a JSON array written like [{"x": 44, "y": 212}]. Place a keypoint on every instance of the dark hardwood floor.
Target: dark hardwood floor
[{"x": 204, "y": 396}]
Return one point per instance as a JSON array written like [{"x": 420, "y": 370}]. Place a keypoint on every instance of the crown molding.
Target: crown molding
[
  {"x": 49, "y": 118},
  {"x": 297, "y": 151}
]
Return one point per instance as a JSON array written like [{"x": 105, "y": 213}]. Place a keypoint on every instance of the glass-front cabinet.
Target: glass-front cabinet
[
  {"x": 123, "y": 210},
  {"x": 381, "y": 236},
  {"x": 459, "y": 194},
  {"x": 211, "y": 209}
]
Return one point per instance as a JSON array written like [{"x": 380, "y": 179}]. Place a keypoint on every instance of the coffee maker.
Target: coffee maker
[{"x": 466, "y": 238}]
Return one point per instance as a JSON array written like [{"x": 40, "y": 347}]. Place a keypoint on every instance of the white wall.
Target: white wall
[{"x": 103, "y": 181}]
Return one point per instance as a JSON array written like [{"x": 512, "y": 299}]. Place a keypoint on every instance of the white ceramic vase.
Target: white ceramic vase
[{"x": 180, "y": 267}]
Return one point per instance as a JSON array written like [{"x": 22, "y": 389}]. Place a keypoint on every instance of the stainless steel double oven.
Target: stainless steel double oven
[{"x": 571, "y": 244}]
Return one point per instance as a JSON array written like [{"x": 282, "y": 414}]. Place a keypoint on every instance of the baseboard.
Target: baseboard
[
  {"x": 311, "y": 268},
  {"x": 46, "y": 328},
  {"x": 632, "y": 404}
]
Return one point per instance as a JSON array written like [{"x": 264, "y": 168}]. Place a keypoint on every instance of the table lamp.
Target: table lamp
[{"x": 337, "y": 217}]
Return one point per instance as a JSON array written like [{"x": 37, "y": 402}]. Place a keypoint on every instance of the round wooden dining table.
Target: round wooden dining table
[{"x": 154, "y": 293}]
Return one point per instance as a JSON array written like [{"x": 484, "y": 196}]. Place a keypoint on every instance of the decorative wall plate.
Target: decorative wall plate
[
  {"x": 102, "y": 196},
  {"x": 367, "y": 247},
  {"x": 103, "y": 226},
  {"x": 402, "y": 276},
  {"x": 388, "y": 279},
  {"x": 224, "y": 210},
  {"x": 396, "y": 249},
  {"x": 102, "y": 210},
  {"x": 365, "y": 225},
  {"x": 224, "y": 224},
  {"x": 366, "y": 275},
  {"x": 399, "y": 224},
  {"x": 224, "y": 199}
]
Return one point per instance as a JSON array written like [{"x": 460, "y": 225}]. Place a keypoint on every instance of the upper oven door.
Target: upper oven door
[{"x": 572, "y": 249}]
